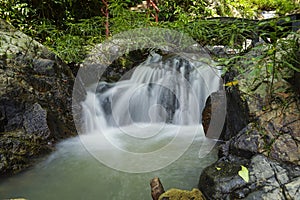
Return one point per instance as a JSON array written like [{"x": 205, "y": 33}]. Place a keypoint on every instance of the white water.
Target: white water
[
  {"x": 172, "y": 90},
  {"x": 150, "y": 123}
]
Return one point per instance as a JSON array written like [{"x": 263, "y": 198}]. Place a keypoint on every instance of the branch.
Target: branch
[
  {"x": 157, "y": 188},
  {"x": 106, "y": 14}
]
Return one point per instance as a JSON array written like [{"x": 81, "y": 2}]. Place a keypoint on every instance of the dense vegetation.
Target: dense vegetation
[{"x": 71, "y": 27}]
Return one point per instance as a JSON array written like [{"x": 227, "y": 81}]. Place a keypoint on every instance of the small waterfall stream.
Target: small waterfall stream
[
  {"x": 161, "y": 90},
  {"x": 149, "y": 125}
]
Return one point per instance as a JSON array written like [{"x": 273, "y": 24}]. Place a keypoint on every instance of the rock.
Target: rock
[
  {"x": 119, "y": 67},
  {"x": 35, "y": 121},
  {"x": 17, "y": 147},
  {"x": 285, "y": 148},
  {"x": 213, "y": 115},
  {"x": 295, "y": 80},
  {"x": 267, "y": 180},
  {"x": 292, "y": 188},
  {"x": 247, "y": 143},
  {"x": 237, "y": 113},
  {"x": 275, "y": 135},
  {"x": 219, "y": 180},
  {"x": 237, "y": 116},
  {"x": 276, "y": 115},
  {"x": 44, "y": 66},
  {"x": 176, "y": 194},
  {"x": 270, "y": 177},
  {"x": 35, "y": 100},
  {"x": 268, "y": 147},
  {"x": 281, "y": 124},
  {"x": 245, "y": 146}
]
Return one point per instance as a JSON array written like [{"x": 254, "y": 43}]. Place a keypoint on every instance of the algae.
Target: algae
[{"x": 177, "y": 194}]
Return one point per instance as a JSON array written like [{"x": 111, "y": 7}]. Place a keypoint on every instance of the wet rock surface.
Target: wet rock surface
[
  {"x": 237, "y": 112},
  {"x": 221, "y": 179},
  {"x": 35, "y": 100},
  {"x": 268, "y": 179},
  {"x": 236, "y": 109}
]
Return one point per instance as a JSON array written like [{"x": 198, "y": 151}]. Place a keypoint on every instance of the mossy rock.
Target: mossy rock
[
  {"x": 35, "y": 100},
  {"x": 18, "y": 150},
  {"x": 177, "y": 194}
]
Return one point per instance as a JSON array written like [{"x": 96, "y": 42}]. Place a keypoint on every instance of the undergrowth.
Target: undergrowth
[{"x": 71, "y": 27}]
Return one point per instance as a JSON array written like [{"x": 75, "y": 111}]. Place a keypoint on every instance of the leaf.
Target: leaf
[
  {"x": 218, "y": 168},
  {"x": 231, "y": 83},
  {"x": 291, "y": 66},
  {"x": 244, "y": 173}
]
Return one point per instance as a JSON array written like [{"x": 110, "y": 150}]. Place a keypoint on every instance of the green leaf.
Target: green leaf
[
  {"x": 244, "y": 173},
  {"x": 291, "y": 66},
  {"x": 218, "y": 168}
]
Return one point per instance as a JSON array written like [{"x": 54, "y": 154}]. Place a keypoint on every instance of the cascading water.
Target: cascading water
[
  {"x": 161, "y": 103},
  {"x": 161, "y": 90},
  {"x": 134, "y": 125}
]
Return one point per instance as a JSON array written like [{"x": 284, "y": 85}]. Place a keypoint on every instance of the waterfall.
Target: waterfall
[
  {"x": 170, "y": 90},
  {"x": 146, "y": 121},
  {"x": 150, "y": 122}
]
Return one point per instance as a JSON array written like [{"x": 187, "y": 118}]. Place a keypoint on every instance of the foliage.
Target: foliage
[
  {"x": 16, "y": 12},
  {"x": 244, "y": 173},
  {"x": 290, "y": 57},
  {"x": 172, "y": 9},
  {"x": 122, "y": 19},
  {"x": 281, "y": 6},
  {"x": 68, "y": 25},
  {"x": 274, "y": 62},
  {"x": 251, "y": 8},
  {"x": 71, "y": 27}
]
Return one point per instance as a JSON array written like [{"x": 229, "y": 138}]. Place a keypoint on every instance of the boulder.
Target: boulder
[
  {"x": 269, "y": 147},
  {"x": 268, "y": 179},
  {"x": 221, "y": 179},
  {"x": 247, "y": 143},
  {"x": 35, "y": 100},
  {"x": 237, "y": 113}
]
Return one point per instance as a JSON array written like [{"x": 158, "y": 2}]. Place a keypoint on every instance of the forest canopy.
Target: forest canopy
[{"x": 71, "y": 27}]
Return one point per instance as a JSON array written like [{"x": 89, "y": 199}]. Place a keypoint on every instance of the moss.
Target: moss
[
  {"x": 16, "y": 150},
  {"x": 177, "y": 194}
]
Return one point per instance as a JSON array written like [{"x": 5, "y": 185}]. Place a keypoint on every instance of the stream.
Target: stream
[{"x": 73, "y": 173}]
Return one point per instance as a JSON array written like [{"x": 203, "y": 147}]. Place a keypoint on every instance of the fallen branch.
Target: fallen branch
[{"x": 156, "y": 188}]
